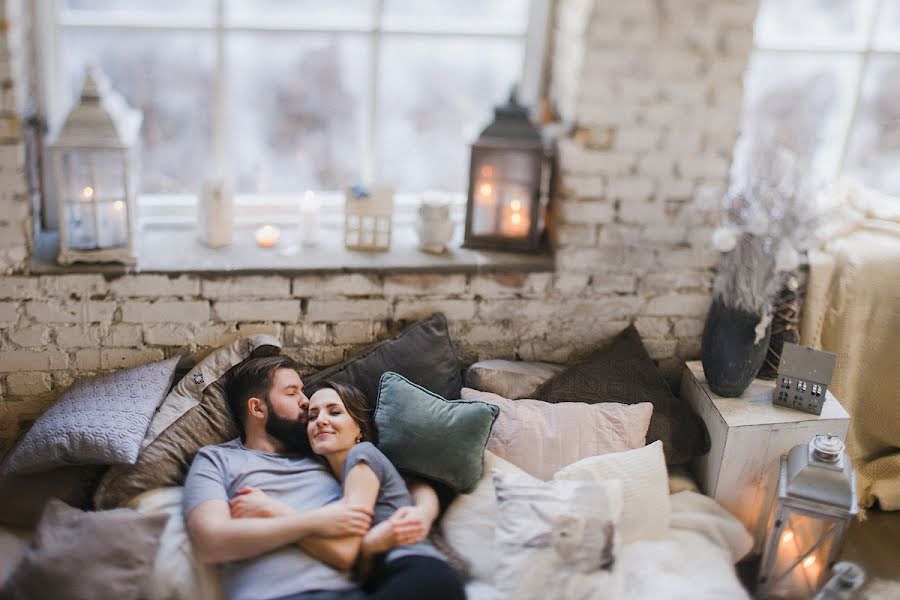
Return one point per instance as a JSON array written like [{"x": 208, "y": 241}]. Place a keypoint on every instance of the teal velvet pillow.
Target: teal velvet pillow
[{"x": 426, "y": 435}]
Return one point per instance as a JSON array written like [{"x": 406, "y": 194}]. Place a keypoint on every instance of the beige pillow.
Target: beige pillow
[
  {"x": 542, "y": 438},
  {"x": 647, "y": 513},
  {"x": 557, "y": 538},
  {"x": 510, "y": 378}
]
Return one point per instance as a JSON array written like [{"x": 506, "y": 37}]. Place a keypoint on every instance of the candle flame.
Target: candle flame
[
  {"x": 515, "y": 205},
  {"x": 118, "y": 205},
  {"x": 88, "y": 192},
  {"x": 487, "y": 171},
  {"x": 788, "y": 536},
  {"x": 486, "y": 189},
  {"x": 810, "y": 561},
  {"x": 516, "y": 218}
]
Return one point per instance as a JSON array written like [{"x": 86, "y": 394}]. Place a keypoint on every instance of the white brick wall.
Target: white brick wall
[{"x": 653, "y": 90}]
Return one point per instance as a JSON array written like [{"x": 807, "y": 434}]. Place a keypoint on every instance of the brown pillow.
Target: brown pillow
[
  {"x": 92, "y": 556},
  {"x": 623, "y": 372},
  {"x": 204, "y": 420},
  {"x": 23, "y": 497}
]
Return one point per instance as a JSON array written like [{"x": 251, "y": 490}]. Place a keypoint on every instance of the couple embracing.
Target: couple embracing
[{"x": 303, "y": 498}]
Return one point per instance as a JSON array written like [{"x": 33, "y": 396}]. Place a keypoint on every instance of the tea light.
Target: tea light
[{"x": 267, "y": 236}]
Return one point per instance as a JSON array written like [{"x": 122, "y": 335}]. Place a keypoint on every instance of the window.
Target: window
[
  {"x": 825, "y": 77},
  {"x": 289, "y": 95}
]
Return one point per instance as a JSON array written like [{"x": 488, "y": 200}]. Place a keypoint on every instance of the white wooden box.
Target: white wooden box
[{"x": 748, "y": 435}]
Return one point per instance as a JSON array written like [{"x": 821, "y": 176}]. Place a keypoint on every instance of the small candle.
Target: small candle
[
  {"x": 267, "y": 236},
  {"x": 309, "y": 219}
]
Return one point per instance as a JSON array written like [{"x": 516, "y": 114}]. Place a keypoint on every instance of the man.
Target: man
[{"x": 304, "y": 554}]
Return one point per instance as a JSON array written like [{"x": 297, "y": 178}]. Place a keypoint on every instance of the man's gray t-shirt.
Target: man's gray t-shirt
[
  {"x": 392, "y": 494},
  {"x": 302, "y": 483}
]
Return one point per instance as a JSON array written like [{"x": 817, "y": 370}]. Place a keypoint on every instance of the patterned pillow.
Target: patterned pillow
[{"x": 100, "y": 420}]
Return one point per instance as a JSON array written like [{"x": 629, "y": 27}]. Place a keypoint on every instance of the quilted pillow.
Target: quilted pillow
[
  {"x": 422, "y": 353},
  {"x": 203, "y": 419},
  {"x": 98, "y": 420},
  {"x": 542, "y": 438},
  {"x": 623, "y": 372}
]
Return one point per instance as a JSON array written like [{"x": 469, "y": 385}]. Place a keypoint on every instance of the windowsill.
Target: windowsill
[{"x": 174, "y": 250}]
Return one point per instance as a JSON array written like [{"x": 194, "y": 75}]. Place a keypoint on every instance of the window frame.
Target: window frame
[{"x": 49, "y": 19}]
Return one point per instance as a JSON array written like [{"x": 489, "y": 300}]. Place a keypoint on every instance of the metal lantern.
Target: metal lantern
[
  {"x": 509, "y": 183},
  {"x": 94, "y": 161},
  {"x": 809, "y": 519}
]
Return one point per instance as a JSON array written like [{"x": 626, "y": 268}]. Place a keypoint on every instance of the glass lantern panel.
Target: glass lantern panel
[
  {"x": 81, "y": 225},
  {"x": 112, "y": 221},
  {"x": 503, "y": 193},
  {"x": 802, "y": 555},
  {"x": 108, "y": 175}
]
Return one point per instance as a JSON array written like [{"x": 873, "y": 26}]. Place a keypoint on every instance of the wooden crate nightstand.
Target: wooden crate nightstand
[{"x": 748, "y": 435}]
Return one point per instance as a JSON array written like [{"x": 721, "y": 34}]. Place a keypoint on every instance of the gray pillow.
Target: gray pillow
[
  {"x": 426, "y": 435},
  {"x": 100, "y": 420},
  {"x": 92, "y": 556},
  {"x": 513, "y": 379}
]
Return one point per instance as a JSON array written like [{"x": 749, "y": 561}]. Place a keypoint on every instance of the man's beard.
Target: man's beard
[{"x": 290, "y": 432}]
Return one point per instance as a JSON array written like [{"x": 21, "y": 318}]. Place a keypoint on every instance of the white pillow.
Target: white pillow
[
  {"x": 557, "y": 538},
  {"x": 647, "y": 512}
]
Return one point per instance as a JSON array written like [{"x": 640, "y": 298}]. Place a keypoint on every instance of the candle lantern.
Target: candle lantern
[
  {"x": 809, "y": 519},
  {"x": 94, "y": 160},
  {"x": 509, "y": 183}
]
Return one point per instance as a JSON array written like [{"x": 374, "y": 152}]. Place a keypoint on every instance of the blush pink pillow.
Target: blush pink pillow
[{"x": 541, "y": 438}]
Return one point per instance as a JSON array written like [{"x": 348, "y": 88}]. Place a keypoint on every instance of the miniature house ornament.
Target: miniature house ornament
[
  {"x": 368, "y": 214},
  {"x": 803, "y": 377},
  {"x": 815, "y": 501},
  {"x": 509, "y": 183},
  {"x": 94, "y": 161}
]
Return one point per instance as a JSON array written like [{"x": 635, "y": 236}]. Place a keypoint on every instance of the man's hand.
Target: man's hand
[
  {"x": 411, "y": 524},
  {"x": 340, "y": 519}
]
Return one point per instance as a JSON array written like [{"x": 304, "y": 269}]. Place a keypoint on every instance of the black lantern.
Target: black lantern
[{"x": 509, "y": 183}]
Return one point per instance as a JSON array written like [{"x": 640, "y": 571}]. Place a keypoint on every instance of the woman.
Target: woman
[{"x": 341, "y": 432}]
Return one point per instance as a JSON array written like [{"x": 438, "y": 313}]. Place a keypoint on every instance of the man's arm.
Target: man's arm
[{"x": 218, "y": 537}]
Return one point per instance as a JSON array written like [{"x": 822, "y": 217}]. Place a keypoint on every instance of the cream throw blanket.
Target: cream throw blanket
[{"x": 853, "y": 309}]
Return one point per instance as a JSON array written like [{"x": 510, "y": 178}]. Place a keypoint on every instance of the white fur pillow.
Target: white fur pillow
[
  {"x": 541, "y": 438},
  {"x": 557, "y": 536},
  {"x": 647, "y": 511}
]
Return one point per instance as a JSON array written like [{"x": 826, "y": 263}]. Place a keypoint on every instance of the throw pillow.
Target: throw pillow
[
  {"x": 647, "y": 511},
  {"x": 23, "y": 497},
  {"x": 557, "y": 539},
  {"x": 205, "y": 420},
  {"x": 92, "y": 556},
  {"x": 99, "y": 420},
  {"x": 422, "y": 353},
  {"x": 426, "y": 435},
  {"x": 542, "y": 438},
  {"x": 623, "y": 372},
  {"x": 510, "y": 378}
]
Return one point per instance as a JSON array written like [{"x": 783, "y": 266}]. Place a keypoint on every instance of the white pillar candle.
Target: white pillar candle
[{"x": 309, "y": 219}]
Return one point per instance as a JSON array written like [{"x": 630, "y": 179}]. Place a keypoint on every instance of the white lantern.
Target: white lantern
[
  {"x": 809, "y": 520},
  {"x": 94, "y": 165}
]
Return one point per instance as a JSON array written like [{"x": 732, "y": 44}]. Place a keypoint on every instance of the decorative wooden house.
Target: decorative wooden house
[{"x": 803, "y": 378}]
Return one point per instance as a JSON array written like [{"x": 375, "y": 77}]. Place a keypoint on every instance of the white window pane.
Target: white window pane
[
  {"x": 151, "y": 71},
  {"x": 295, "y": 110},
  {"x": 301, "y": 13},
  {"x": 813, "y": 23},
  {"x": 874, "y": 150},
  {"x": 803, "y": 101},
  {"x": 435, "y": 97},
  {"x": 888, "y": 25},
  {"x": 195, "y": 8},
  {"x": 462, "y": 15}
]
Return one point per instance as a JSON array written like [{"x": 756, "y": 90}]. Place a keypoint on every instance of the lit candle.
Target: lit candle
[
  {"x": 309, "y": 219},
  {"x": 516, "y": 220},
  {"x": 484, "y": 221},
  {"x": 267, "y": 236}
]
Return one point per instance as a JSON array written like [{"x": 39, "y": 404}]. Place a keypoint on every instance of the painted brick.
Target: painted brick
[
  {"x": 675, "y": 280},
  {"x": 570, "y": 284},
  {"x": 78, "y": 336},
  {"x": 28, "y": 384},
  {"x": 166, "y": 334},
  {"x": 595, "y": 211},
  {"x": 276, "y": 330},
  {"x": 261, "y": 286},
  {"x": 309, "y": 333},
  {"x": 660, "y": 348},
  {"x": 165, "y": 312},
  {"x": 213, "y": 334},
  {"x": 314, "y": 286},
  {"x": 353, "y": 332},
  {"x": 641, "y": 211},
  {"x": 123, "y": 336},
  {"x": 86, "y": 311},
  {"x": 79, "y": 286},
  {"x": 21, "y": 288},
  {"x": 340, "y": 310},
  {"x": 418, "y": 309},
  {"x": 657, "y": 165},
  {"x": 678, "y": 305},
  {"x": 634, "y": 188},
  {"x": 28, "y": 360},
  {"x": 36, "y": 335},
  {"x": 689, "y": 348},
  {"x": 9, "y": 312},
  {"x": 152, "y": 286},
  {"x": 576, "y": 235},
  {"x": 690, "y": 258},
  {"x": 123, "y": 358},
  {"x": 653, "y": 327},
  {"x": 702, "y": 166},
  {"x": 688, "y": 328},
  {"x": 507, "y": 285},
  {"x": 87, "y": 359},
  {"x": 585, "y": 186},
  {"x": 519, "y": 309},
  {"x": 317, "y": 356},
  {"x": 612, "y": 283},
  {"x": 637, "y": 138},
  {"x": 424, "y": 285},
  {"x": 611, "y": 258},
  {"x": 258, "y": 310},
  {"x": 13, "y": 235}
]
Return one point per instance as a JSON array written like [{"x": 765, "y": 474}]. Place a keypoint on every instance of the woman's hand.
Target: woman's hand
[
  {"x": 254, "y": 503},
  {"x": 340, "y": 519},
  {"x": 411, "y": 524}
]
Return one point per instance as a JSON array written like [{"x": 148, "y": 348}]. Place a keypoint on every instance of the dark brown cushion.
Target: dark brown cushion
[
  {"x": 23, "y": 497},
  {"x": 194, "y": 415},
  {"x": 624, "y": 372},
  {"x": 422, "y": 353},
  {"x": 93, "y": 556}
]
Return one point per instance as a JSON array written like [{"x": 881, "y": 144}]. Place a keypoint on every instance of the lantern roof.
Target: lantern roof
[
  {"x": 100, "y": 118},
  {"x": 512, "y": 122},
  {"x": 821, "y": 472}
]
